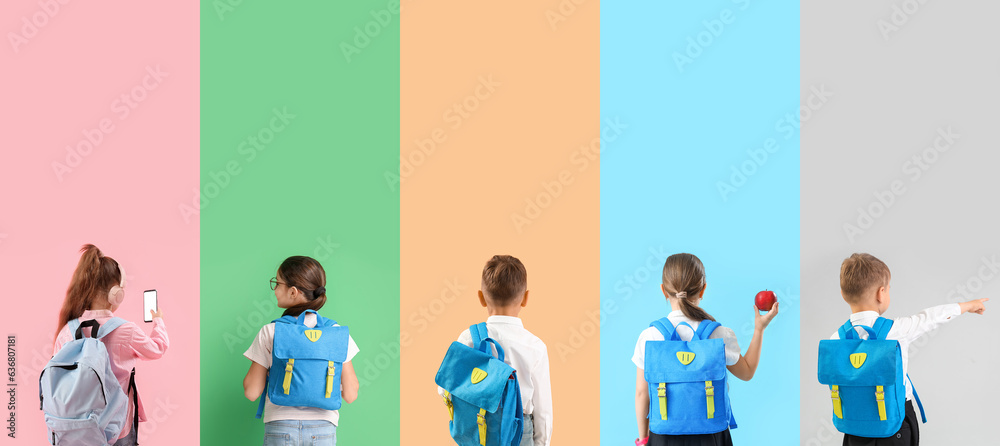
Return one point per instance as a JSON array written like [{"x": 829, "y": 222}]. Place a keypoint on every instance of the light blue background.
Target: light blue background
[{"x": 659, "y": 193}]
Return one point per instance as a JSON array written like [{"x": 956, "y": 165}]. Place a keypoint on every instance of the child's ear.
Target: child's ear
[
  {"x": 663, "y": 287},
  {"x": 701, "y": 294},
  {"x": 482, "y": 299},
  {"x": 880, "y": 294},
  {"x": 524, "y": 302}
]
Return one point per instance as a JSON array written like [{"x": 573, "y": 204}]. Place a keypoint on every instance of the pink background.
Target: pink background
[{"x": 124, "y": 196}]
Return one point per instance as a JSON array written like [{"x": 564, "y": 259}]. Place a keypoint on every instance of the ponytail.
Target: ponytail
[
  {"x": 684, "y": 279},
  {"x": 95, "y": 274}
]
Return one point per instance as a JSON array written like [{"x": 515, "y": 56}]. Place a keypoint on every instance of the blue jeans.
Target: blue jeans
[
  {"x": 528, "y": 431},
  {"x": 300, "y": 433}
]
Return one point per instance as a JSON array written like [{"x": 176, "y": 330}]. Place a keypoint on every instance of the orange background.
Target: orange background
[{"x": 492, "y": 157}]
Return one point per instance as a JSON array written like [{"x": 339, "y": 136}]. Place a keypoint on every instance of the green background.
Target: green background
[{"x": 318, "y": 189}]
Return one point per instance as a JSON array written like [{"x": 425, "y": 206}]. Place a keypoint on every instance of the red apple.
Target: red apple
[{"x": 765, "y": 300}]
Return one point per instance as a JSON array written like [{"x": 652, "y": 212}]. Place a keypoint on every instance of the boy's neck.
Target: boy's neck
[
  {"x": 857, "y": 308},
  {"x": 510, "y": 310}
]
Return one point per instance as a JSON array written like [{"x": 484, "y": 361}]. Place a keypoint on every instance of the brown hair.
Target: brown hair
[
  {"x": 685, "y": 273},
  {"x": 306, "y": 274},
  {"x": 860, "y": 274},
  {"x": 504, "y": 279},
  {"x": 93, "y": 278}
]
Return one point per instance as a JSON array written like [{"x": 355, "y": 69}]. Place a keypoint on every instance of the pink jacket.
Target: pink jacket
[{"x": 126, "y": 345}]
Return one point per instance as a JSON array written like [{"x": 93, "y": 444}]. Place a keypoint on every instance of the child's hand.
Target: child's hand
[
  {"x": 760, "y": 322},
  {"x": 156, "y": 313},
  {"x": 977, "y": 306}
]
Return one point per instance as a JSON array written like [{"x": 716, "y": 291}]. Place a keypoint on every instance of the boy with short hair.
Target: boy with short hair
[
  {"x": 864, "y": 285},
  {"x": 504, "y": 292}
]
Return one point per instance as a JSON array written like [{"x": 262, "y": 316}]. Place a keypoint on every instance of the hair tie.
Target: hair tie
[
  {"x": 682, "y": 295},
  {"x": 319, "y": 292}
]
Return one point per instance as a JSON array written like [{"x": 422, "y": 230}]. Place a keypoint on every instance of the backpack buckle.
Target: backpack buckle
[
  {"x": 709, "y": 388},
  {"x": 481, "y": 421}
]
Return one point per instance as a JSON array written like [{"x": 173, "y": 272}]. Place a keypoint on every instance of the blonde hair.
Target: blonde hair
[
  {"x": 860, "y": 275},
  {"x": 684, "y": 274}
]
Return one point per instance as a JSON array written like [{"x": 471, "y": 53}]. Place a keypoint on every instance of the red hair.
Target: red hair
[{"x": 95, "y": 275}]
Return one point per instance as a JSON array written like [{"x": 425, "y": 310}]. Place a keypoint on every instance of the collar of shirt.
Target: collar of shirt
[
  {"x": 863, "y": 315},
  {"x": 676, "y": 313},
  {"x": 512, "y": 320},
  {"x": 94, "y": 314}
]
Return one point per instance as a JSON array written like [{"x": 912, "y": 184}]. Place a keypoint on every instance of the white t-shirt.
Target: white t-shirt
[
  {"x": 260, "y": 352},
  {"x": 906, "y": 330},
  {"x": 727, "y": 335}
]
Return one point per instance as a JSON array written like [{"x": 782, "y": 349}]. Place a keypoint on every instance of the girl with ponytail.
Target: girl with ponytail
[
  {"x": 684, "y": 288},
  {"x": 95, "y": 292},
  {"x": 299, "y": 285}
]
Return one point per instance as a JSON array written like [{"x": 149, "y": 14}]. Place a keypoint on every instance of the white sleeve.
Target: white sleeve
[
  {"x": 912, "y": 327},
  {"x": 260, "y": 348},
  {"x": 352, "y": 348},
  {"x": 541, "y": 400},
  {"x": 639, "y": 355},
  {"x": 728, "y": 337}
]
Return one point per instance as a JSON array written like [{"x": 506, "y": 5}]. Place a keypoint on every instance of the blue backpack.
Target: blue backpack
[
  {"x": 687, "y": 382},
  {"x": 80, "y": 395},
  {"x": 481, "y": 392},
  {"x": 866, "y": 381},
  {"x": 306, "y": 363}
]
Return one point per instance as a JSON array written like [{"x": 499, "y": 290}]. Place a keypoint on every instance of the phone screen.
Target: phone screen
[{"x": 148, "y": 303}]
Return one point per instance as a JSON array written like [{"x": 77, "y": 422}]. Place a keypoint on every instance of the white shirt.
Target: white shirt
[
  {"x": 530, "y": 358},
  {"x": 652, "y": 334},
  {"x": 906, "y": 330},
  {"x": 260, "y": 352}
]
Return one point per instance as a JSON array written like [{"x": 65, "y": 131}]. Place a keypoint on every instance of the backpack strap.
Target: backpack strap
[
  {"x": 882, "y": 327},
  {"x": 263, "y": 396},
  {"x": 478, "y": 332},
  {"x": 705, "y": 328},
  {"x": 917, "y": 397},
  {"x": 110, "y": 326},
  {"x": 846, "y": 331},
  {"x": 481, "y": 340},
  {"x": 665, "y": 327}
]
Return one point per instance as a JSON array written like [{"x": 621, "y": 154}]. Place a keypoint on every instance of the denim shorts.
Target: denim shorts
[{"x": 300, "y": 433}]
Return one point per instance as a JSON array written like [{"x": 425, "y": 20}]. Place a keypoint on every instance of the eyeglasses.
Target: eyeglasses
[{"x": 275, "y": 283}]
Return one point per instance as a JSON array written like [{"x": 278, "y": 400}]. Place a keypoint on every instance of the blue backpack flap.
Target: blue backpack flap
[
  {"x": 306, "y": 363},
  {"x": 481, "y": 392},
  {"x": 83, "y": 402},
  {"x": 687, "y": 382},
  {"x": 866, "y": 380}
]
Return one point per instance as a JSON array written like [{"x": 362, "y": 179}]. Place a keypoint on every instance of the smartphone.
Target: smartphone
[{"x": 148, "y": 303}]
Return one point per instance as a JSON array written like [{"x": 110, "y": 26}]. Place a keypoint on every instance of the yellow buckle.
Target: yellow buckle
[
  {"x": 330, "y": 372},
  {"x": 287, "y": 383},
  {"x": 661, "y": 391},
  {"x": 709, "y": 388},
  {"x": 710, "y": 399},
  {"x": 880, "y": 397},
  {"x": 481, "y": 421},
  {"x": 451, "y": 407},
  {"x": 835, "y": 395}
]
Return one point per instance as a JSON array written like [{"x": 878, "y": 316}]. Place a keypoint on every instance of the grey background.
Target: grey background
[{"x": 940, "y": 69}]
